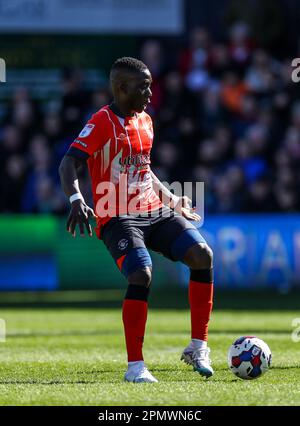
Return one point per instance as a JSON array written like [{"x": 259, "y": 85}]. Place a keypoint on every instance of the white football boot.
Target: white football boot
[
  {"x": 199, "y": 359},
  {"x": 138, "y": 373}
]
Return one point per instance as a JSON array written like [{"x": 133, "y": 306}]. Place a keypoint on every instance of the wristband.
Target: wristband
[
  {"x": 76, "y": 196},
  {"x": 174, "y": 200}
]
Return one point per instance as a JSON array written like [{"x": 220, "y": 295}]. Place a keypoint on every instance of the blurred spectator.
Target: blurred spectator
[
  {"x": 233, "y": 91},
  {"x": 227, "y": 198},
  {"x": 52, "y": 127},
  {"x": 152, "y": 55},
  {"x": 41, "y": 194},
  {"x": 12, "y": 184},
  {"x": 11, "y": 143},
  {"x": 264, "y": 17},
  {"x": 253, "y": 166},
  {"x": 99, "y": 98},
  {"x": 240, "y": 46},
  {"x": 210, "y": 110},
  {"x": 175, "y": 99},
  {"x": 286, "y": 199},
  {"x": 168, "y": 156},
  {"x": 196, "y": 55},
  {"x": 75, "y": 100},
  {"x": 259, "y": 198},
  {"x": 220, "y": 61}
]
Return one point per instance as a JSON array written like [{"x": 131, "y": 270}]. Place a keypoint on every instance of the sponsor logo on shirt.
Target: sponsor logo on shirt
[
  {"x": 80, "y": 143},
  {"x": 135, "y": 160}
]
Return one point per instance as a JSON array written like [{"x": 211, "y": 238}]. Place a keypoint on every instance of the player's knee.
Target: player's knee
[
  {"x": 141, "y": 277},
  {"x": 199, "y": 256}
]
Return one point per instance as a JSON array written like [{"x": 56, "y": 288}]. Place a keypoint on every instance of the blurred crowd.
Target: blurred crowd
[{"x": 225, "y": 113}]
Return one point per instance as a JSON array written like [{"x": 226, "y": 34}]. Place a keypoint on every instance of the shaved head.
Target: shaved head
[
  {"x": 130, "y": 81},
  {"x": 128, "y": 64},
  {"x": 124, "y": 68}
]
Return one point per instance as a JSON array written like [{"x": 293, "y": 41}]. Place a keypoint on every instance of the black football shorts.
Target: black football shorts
[{"x": 128, "y": 239}]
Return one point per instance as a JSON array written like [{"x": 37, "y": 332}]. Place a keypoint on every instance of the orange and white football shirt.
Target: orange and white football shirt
[{"x": 118, "y": 155}]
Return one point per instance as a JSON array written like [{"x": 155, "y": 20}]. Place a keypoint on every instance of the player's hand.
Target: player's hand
[
  {"x": 184, "y": 207},
  {"x": 79, "y": 215}
]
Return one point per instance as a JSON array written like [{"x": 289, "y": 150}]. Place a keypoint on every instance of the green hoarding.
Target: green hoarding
[
  {"x": 36, "y": 253},
  {"x": 59, "y": 51}
]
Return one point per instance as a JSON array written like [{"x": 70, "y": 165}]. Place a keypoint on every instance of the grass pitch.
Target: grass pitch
[{"x": 77, "y": 357}]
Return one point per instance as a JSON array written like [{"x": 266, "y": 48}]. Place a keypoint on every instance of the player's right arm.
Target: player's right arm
[
  {"x": 86, "y": 144},
  {"x": 80, "y": 212}
]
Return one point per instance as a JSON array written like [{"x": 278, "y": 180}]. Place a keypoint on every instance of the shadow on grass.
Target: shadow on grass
[
  {"x": 168, "y": 333},
  {"x": 169, "y": 298},
  {"x": 189, "y": 377},
  {"x": 52, "y": 382}
]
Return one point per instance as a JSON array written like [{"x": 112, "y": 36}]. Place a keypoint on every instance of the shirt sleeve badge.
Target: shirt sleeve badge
[{"x": 86, "y": 131}]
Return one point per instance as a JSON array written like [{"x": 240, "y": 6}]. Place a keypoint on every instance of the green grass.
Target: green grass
[{"x": 77, "y": 357}]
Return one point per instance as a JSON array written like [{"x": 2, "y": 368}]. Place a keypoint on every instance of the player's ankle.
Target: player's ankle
[
  {"x": 136, "y": 365},
  {"x": 198, "y": 344}
]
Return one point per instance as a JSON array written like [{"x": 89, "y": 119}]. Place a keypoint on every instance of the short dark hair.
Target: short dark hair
[{"x": 128, "y": 63}]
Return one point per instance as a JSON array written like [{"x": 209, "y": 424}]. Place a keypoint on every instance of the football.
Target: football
[{"x": 249, "y": 357}]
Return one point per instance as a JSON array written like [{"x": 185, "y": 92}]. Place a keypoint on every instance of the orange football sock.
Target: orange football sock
[
  {"x": 134, "y": 315},
  {"x": 201, "y": 302}
]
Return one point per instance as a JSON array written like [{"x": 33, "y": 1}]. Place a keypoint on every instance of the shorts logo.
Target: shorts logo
[
  {"x": 86, "y": 131},
  {"x": 122, "y": 244}
]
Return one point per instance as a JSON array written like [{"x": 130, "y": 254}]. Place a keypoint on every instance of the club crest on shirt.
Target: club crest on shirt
[
  {"x": 122, "y": 244},
  {"x": 86, "y": 131}
]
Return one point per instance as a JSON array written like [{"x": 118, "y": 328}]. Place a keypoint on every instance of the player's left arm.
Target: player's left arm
[
  {"x": 181, "y": 205},
  {"x": 88, "y": 142}
]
